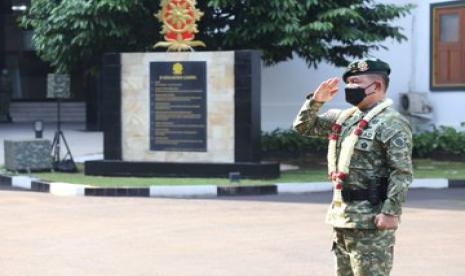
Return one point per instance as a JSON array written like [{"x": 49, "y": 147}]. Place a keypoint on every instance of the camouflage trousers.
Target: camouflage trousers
[{"x": 363, "y": 252}]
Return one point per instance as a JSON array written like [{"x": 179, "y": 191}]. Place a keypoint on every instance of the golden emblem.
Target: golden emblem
[
  {"x": 177, "y": 69},
  {"x": 179, "y": 19},
  {"x": 362, "y": 66}
]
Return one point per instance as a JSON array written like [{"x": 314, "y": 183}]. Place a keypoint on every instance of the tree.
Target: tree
[
  {"x": 73, "y": 34},
  {"x": 316, "y": 30}
]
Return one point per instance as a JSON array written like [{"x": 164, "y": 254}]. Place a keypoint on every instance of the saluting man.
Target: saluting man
[{"x": 369, "y": 164}]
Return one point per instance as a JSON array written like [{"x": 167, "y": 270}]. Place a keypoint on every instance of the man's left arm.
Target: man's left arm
[{"x": 399, "y": 160}]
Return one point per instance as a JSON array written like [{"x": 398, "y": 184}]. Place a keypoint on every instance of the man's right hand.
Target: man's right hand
[{"x": 327, "y": 90}]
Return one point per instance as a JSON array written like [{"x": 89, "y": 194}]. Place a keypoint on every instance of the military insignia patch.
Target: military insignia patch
[
  {"x": 362, "y": 66},
  {"x": 399, "y": 142}
]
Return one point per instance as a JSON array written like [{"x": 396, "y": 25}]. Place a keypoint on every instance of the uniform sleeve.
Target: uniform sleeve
[
  {"x": 398, "y": 143},
  {"x": 309, "y": 123}
]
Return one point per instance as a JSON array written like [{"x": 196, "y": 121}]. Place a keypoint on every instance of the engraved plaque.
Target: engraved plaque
[{"x": 178, "y": 106}]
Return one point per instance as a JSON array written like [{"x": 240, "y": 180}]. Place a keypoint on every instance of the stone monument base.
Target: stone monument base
[
  {"x": 190, "y": 114},
  {"x": 172, "y": 169},
  {"x": 28, "y": 155}
]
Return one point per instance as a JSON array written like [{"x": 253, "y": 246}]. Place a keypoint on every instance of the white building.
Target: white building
[{"x": 285, "y": 85}]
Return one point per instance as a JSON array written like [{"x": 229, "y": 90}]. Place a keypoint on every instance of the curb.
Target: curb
[{"x": 66, "y": 189}]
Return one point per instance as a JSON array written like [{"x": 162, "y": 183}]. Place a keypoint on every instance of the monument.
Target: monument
[{"x": 182, "y": 113}]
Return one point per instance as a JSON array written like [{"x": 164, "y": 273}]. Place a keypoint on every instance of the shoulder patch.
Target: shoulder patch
[
  {"x": 399, "y": 142},
  {"x": 387, "y": 132}
]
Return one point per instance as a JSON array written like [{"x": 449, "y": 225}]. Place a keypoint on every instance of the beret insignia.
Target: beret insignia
[{"x": 362, "y": 66}]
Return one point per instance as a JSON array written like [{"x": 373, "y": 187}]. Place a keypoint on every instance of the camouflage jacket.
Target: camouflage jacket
[{"x": 384, "y": 149}]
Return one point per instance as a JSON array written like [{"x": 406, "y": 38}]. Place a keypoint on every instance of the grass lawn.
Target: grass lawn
[{"x": 423, "y": 169}]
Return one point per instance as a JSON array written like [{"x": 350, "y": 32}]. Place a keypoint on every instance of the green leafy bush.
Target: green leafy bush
[
  {"x": 451, "y": 141},
  {"x": 425, "y": 143},
  {"x": 443, "y": 140},
  {"x": 280, "y": 140}
]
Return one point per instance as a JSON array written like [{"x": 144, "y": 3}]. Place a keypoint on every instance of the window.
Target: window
[{"x": 448, "y": 46}]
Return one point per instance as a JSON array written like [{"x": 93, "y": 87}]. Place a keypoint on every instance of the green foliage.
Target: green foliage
[
  {"x": 443, "y": 139},
  {"x": 315, "y": 30},
  {"x": 290, "y": 141},
  {"x": 73, "y": 34},
  {"x": 425, "y": 143}
]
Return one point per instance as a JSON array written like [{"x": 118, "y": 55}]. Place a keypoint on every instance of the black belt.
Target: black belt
[
  {"x": 379, "y": 192},
  {"x": 354, "y": 195}
]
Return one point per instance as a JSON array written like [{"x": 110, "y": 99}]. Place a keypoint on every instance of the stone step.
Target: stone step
[{"x": 47, "y": 111}]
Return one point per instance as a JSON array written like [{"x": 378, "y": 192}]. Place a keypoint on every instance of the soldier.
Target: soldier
[{"x": 369, "y": 164}]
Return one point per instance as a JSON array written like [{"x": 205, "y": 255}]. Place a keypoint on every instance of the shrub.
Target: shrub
[
  {"x": 445, "y": 140},
  {"x": 280, "y": 140},
  {"x": 451, "y": 141},
  {"x": 425, "y": 143}
]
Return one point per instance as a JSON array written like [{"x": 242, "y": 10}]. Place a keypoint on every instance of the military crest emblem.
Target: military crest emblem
[
  {"x": 362, "y": 66},
  {"x": 179, "y": 18},
  {"x": 177, "y": 69}
]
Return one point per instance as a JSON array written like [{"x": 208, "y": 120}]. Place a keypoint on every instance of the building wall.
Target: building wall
[
  {"x": 285, "y": 85},
  {"x": 449, "y": 106}
]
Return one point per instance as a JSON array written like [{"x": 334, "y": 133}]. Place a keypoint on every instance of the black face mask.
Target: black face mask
[{"x": 355, "y": 95}]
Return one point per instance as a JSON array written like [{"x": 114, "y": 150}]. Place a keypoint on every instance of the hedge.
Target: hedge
[{"x": 444, "y": 140}]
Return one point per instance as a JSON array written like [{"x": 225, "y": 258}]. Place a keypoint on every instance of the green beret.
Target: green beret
[{"x": 366, "y": 66}]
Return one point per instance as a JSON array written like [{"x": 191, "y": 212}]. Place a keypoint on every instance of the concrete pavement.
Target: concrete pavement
[{"x": 42, "y": 234}]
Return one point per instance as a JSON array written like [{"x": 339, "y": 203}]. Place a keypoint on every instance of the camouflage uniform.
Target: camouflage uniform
[{"x": 383, "y": 150}]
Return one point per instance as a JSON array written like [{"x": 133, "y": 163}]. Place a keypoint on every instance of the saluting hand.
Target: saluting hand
[{"x": 327, "y": 90}]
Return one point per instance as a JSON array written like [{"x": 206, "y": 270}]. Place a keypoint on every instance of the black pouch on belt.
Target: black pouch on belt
[{"x": 377, "y": 191}]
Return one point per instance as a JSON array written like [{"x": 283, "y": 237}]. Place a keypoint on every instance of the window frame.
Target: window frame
[{"x": 434, "y": 7}]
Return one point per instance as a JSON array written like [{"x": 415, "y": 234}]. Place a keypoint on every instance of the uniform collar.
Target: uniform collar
[
  {"x": 360, "y": 113},
  {"x": 366, "y": 110}
]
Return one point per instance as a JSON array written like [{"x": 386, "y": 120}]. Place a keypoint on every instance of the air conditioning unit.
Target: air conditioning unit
[{"x": 416, "y": 104}]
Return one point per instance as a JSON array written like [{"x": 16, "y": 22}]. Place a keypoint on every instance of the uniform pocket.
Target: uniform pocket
[{"x": 361, "y": 158}]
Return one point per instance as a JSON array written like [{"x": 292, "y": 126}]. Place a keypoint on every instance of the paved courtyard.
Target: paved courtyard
[{"x": 42, "y": 234}]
